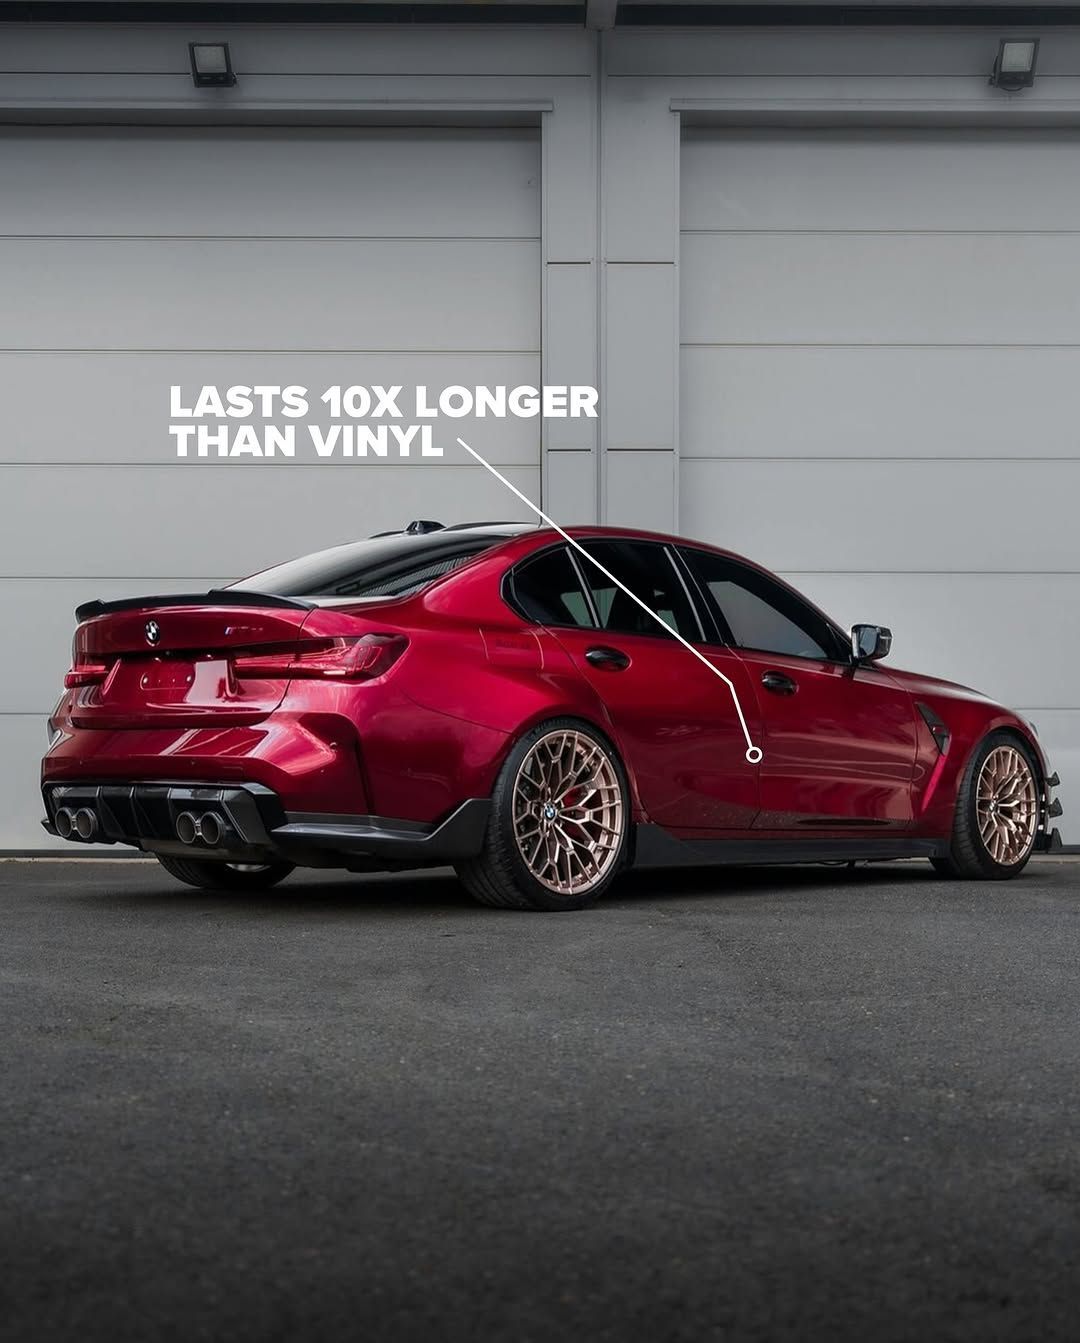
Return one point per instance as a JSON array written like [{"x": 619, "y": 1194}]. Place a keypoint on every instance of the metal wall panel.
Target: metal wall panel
[
  {"x": 118, "y": 522},
  {"x": 273, "y": 294},
  {"x": 289, "y": 182},
  {"x": 924, "y": 515},
  {"x": 1021, "y": 652},
  {"x": 848, "y": 181},
  {"x": 904, "y": 288},
  {"x": 880, "y": 352},
  {"x": 113, "y": 406},
  {"x": 878, "y": 401}
]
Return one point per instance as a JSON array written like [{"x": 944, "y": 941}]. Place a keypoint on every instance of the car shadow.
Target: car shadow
[
  {"x": 307, "y": 893},
  {"x": 737, "y": 881}
]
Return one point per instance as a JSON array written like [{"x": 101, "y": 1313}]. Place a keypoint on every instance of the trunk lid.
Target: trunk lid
[{"x": 169, "y": 660}]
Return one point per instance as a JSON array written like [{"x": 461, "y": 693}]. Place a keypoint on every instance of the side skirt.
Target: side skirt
[{"x": 655, "y": 847}]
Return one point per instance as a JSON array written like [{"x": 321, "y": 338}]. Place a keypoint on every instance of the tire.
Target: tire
[
  {"x": 219, "y": 876},
  {"x": 996, "y": 819},
  {"x": 538, "y": 859}
]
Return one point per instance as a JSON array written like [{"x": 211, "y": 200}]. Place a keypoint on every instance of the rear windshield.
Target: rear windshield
[{"x": 385, "y": 566}]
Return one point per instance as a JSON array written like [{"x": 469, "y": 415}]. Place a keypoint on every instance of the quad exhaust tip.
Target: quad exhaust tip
[
  {"x": 81, "y": 824},
  {"x": 207, "y": 827}
]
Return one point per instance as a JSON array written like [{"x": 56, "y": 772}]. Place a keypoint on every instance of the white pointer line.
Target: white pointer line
[{"x": 753, "y": 753}]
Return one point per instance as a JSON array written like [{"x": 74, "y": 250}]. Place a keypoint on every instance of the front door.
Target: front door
[{"x": 839, "y": 740}]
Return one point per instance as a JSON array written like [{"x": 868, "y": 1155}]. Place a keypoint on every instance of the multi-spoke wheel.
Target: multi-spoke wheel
[
  {"x": 997, "y": 811},
  {"x": 1007, "y": 805},
  {"x": 568, "y": 812},
  {"x": 558, "y": 828}
]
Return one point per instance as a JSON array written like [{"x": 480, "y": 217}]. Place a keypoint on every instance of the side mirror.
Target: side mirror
[{"x": 870, "y": 643}]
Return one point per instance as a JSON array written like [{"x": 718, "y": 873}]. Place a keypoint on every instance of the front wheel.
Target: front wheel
[
  {"x": 218, "y": 876},
  {"x": 560, "y": 817},
  {"x": 997, "y": 812}
]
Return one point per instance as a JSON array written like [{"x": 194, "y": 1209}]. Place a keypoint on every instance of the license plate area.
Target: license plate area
[{"x": 193, "y": 682}]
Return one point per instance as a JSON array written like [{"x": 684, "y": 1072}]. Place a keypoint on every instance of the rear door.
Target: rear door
[
  {"x": 674, "y": 719},
  {"x": 839, "y": 740}
]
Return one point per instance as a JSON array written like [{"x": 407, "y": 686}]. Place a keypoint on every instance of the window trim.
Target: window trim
[
  {"x": 590, "y": 601},
  {"x": 666, "y": 547},
  {"x": 724, "y": 630},
  {"x": 715, "y": 632}
]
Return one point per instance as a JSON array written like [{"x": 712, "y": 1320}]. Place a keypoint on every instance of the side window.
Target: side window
[
  {"x": 548, "y": 591},
  {"x": 760, "y": 614},
  {"x": 647, "y": 570}
]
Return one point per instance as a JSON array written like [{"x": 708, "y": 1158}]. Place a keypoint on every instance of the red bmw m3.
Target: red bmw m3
[{"x": 528, "y": 710}]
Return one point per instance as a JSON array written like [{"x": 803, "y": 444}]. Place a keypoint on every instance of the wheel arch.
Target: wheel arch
[{"x": 606, "y": 730}]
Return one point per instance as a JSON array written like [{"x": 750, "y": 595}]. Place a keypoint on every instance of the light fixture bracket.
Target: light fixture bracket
[
  {"x": 1014, "y": 68},
  {"x": 211, "y": 65}
]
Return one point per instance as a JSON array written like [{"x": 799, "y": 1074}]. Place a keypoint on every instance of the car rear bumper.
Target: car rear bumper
[{"x": 249, "y": 824}]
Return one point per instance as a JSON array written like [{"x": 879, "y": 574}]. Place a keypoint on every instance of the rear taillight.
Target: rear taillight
[
  {"x": 85, "y": 673},
  {"x": 330, "y": 659}
]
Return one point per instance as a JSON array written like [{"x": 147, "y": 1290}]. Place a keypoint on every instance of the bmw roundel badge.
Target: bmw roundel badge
[{"x": 153, "y": 631}]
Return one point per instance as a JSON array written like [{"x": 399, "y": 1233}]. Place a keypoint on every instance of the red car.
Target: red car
[{"x": 493, "y": 697}]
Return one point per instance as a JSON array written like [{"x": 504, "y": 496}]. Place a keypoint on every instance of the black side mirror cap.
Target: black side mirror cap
[{"x": 870, "y": 643}]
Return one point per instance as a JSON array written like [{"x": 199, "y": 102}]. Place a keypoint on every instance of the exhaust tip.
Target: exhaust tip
[
  {"x": 85, "y": 823},
  {"x": 210, "y": 829},
  {"x": 64, "y": 822},
  {"x": 187, "y": 828}
]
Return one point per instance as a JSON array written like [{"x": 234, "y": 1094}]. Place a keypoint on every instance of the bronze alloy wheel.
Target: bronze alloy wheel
[
  {"x": 1007, "y": 805},
  {"x": 568, "y": 812}
]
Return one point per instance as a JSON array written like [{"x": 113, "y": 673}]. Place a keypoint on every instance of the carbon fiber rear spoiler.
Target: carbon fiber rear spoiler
[{"x": 215, "y": 597}]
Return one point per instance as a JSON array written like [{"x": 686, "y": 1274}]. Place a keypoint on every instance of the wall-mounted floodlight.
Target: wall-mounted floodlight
[
  {"x": 211, "y": 67},
  {"x": 1014, "y": 68}
]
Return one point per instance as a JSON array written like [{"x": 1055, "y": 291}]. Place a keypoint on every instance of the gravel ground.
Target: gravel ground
[{"x": 773, "y": 1104}]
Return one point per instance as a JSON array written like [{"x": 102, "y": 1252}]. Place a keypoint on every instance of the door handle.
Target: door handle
[
  {"x": 778, "y": 683},
  {"x": 608, "y": 658}
]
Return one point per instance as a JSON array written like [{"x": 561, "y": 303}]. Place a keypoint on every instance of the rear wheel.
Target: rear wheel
[
  {"x": 218, "y": 876},
  {"x": 997, "y": 812},
  {"x": 559, "y": 822}
]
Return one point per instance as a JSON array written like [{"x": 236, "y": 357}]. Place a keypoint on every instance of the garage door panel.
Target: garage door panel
[
  {"x": 882, "y": 401},
  {"x": 174, "y": 519},
  {"x": 114, "y": 407},
  {"x": 133, "y": 259},
  {"x": 23, "y": 742},
  {"x": 1059, "y": 734},
  {"x": 903, "y": 180},
  {"x": 378, "y": 294},
  {"x": 867, "y": 516},
  {"x": 282, "y": 182},
  {"x": 880, "y": 288},
  {"x": 982, "y": 630},
  {"x": 880, "y": 351}
]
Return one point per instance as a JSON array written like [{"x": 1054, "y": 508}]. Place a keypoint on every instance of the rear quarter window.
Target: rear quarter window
[{"x": 546, "y": 588}]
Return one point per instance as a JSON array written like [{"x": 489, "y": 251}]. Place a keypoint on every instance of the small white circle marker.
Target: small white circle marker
[{"x": 754, "y": 754}]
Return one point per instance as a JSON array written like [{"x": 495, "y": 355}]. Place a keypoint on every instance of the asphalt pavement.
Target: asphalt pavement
[{"x": 781, "y": 1104}]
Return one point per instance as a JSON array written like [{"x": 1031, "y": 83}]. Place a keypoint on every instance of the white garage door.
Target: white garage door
[
  {"x": 880, "y": 372},
  {"x": 131, "y": 260}
]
